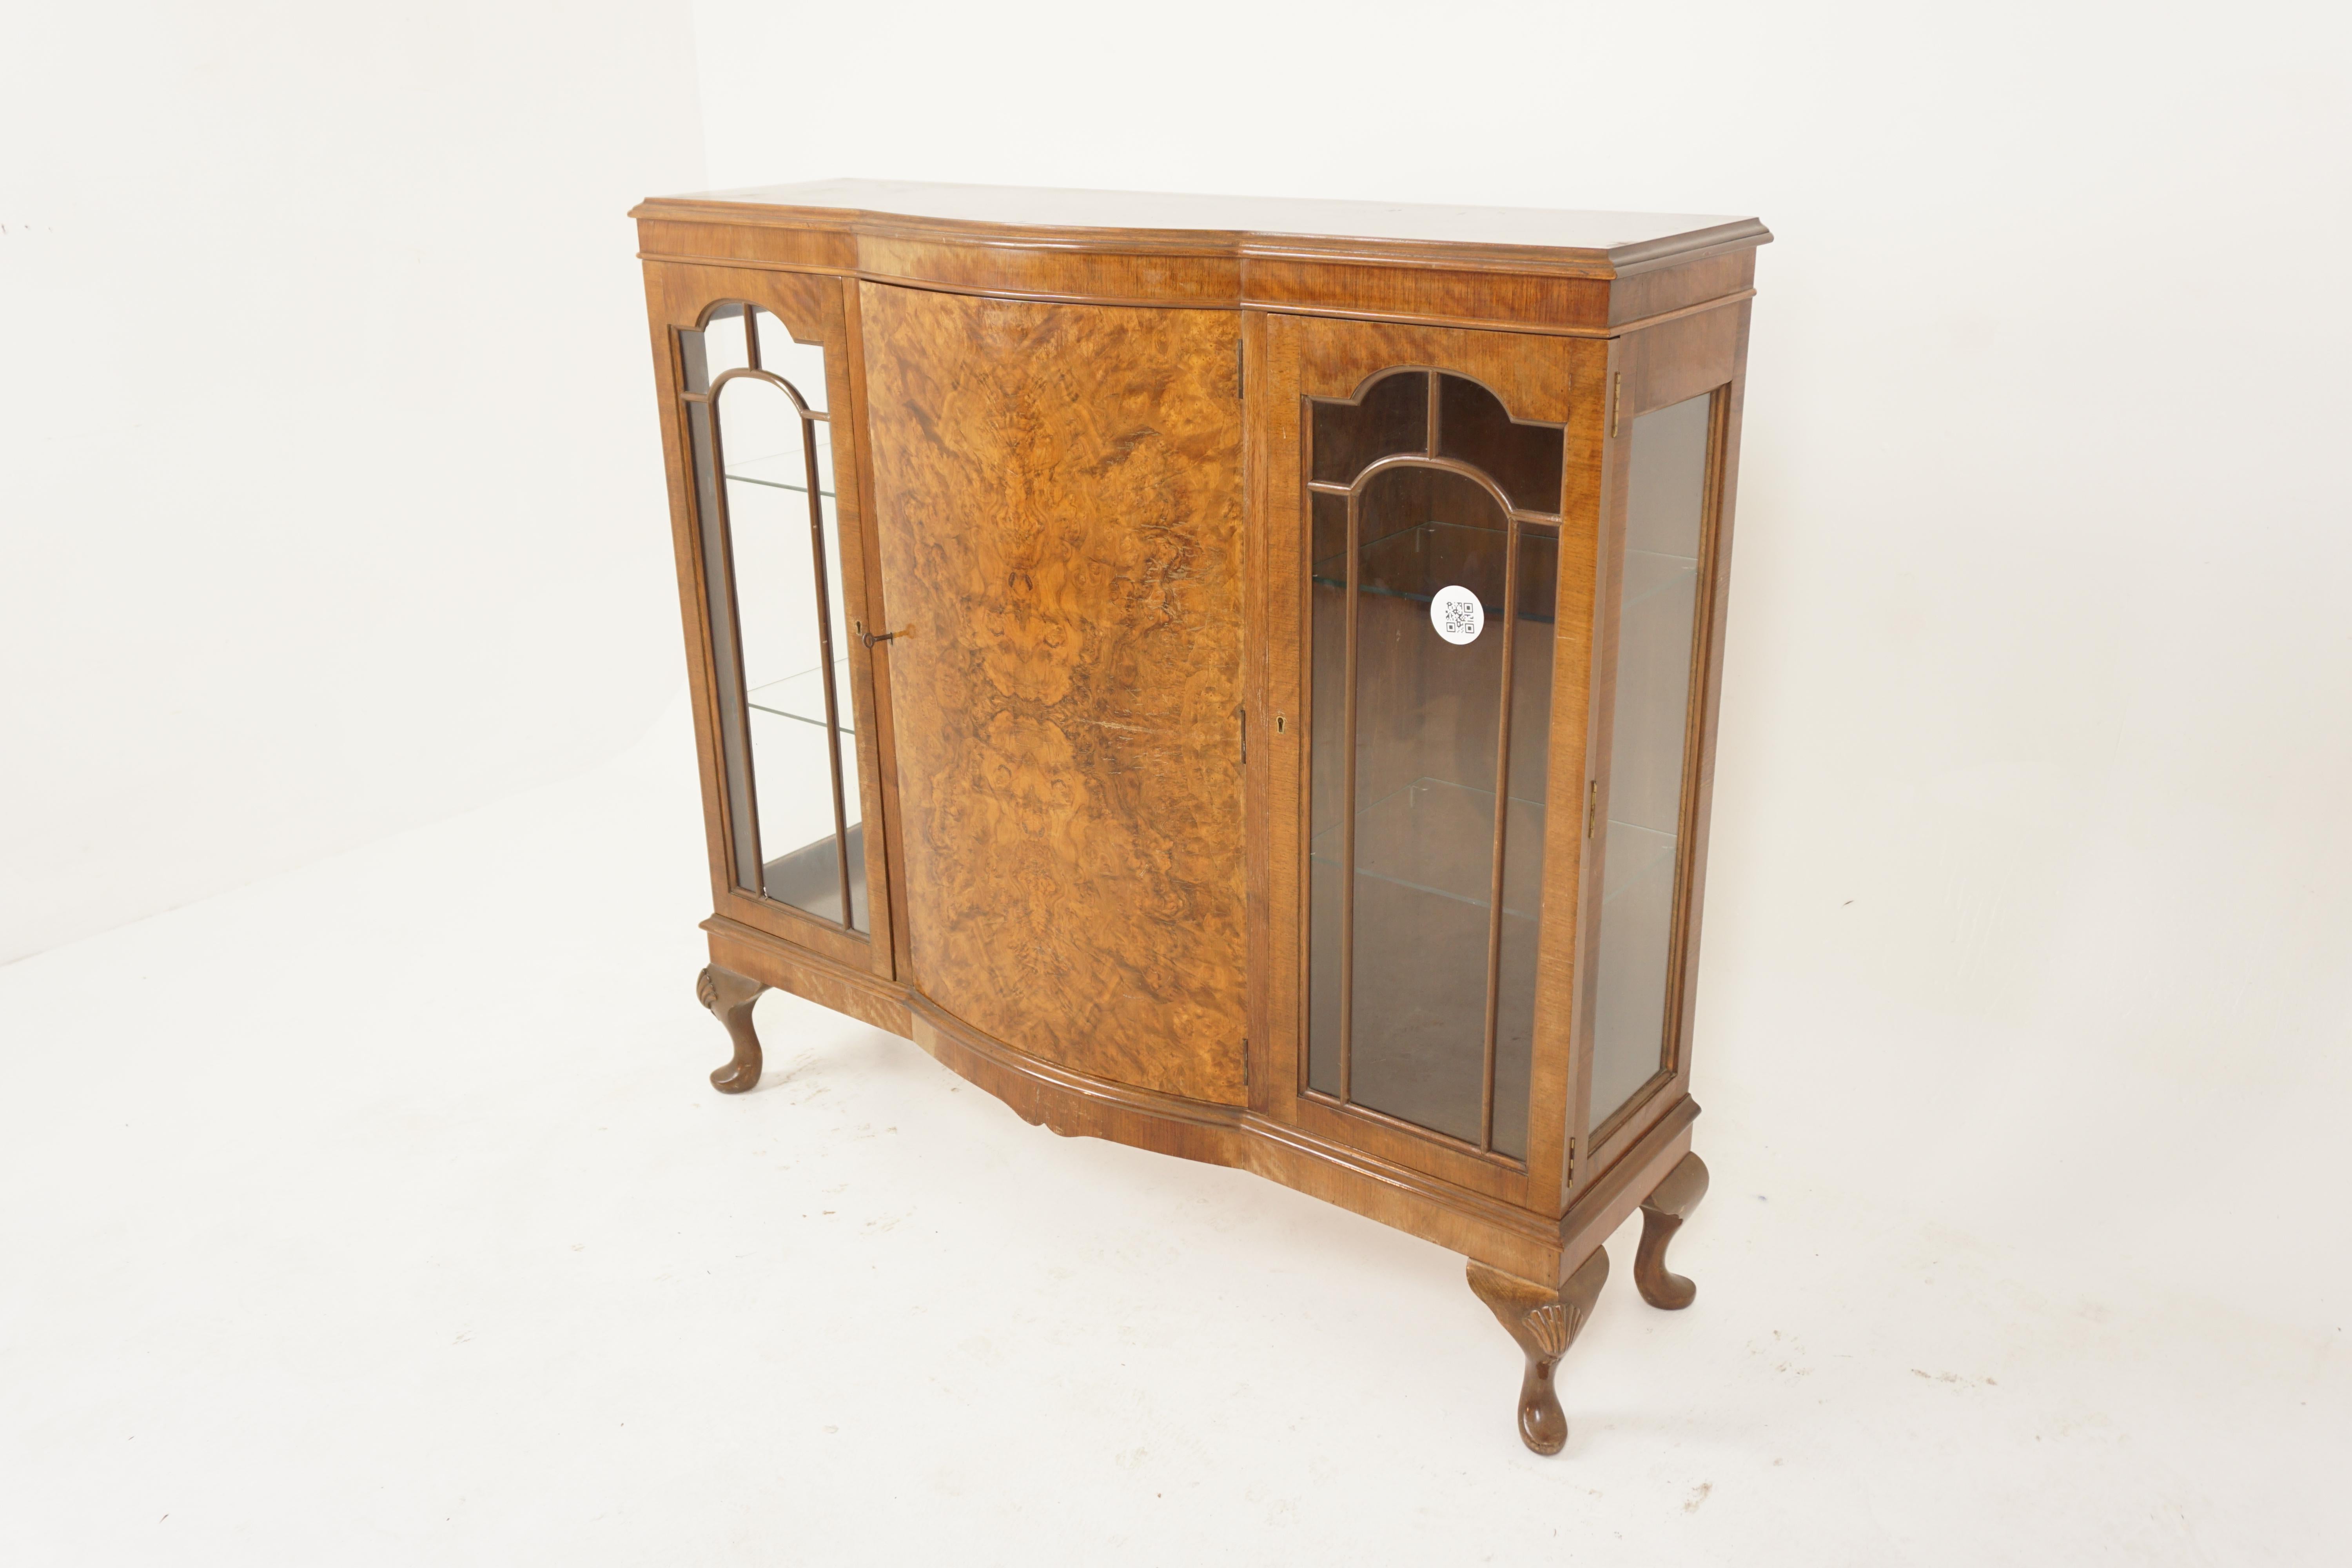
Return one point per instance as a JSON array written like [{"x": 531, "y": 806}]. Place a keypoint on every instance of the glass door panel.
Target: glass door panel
[
  {"x": 1658, "y": 617},
  {"x": 1435, "y": 562},
  {"x": 772, "y": 541}
]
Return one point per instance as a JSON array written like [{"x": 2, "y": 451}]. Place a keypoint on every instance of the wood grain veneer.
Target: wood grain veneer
[{"x": 1060, "y": 529}]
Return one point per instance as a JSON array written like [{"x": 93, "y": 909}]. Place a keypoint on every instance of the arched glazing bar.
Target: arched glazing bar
[
  {"x": 1428, "y": 751},
  {"x": 754, "y": 400}
]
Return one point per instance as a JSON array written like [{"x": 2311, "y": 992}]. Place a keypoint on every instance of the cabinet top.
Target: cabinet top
[{"x": 1617, "y": 241}]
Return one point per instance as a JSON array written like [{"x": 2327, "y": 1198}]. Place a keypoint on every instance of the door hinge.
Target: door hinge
[
  {"x": 1616, "y": 401},
  {"x": 1591, "y": 806},
  {"x": 1242, "y": 714},
  {"x": 1240, "y": 368}
]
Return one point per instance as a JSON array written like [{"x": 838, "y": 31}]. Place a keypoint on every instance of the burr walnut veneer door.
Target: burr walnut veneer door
[{"x": 1058, "y": 500}]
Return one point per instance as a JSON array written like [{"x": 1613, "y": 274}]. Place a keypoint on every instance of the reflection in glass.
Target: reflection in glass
[
  {"x": 771, "y": 554},
  {"x": 1425, "y": 859},
  {"x": 1657, "y": 612}
]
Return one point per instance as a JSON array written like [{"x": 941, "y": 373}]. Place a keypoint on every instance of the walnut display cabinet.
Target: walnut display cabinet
[{"x": 1235, "y": 677}]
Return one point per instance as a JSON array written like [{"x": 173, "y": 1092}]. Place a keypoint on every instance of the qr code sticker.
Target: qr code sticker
[{"x": 1457, "y": 615}]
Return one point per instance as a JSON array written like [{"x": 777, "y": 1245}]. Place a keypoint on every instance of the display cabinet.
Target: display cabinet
[{"x": 1235, "y": 677}]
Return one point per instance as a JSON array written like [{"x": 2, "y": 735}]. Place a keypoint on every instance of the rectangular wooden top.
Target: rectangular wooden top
[
  {"x": 1621, "y": 238},
  {"x": 1581, "y": 274}
]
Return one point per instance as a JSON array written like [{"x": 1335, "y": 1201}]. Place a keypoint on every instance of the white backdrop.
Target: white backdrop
[
  {"x": 331, "y": 498},
  {"x": 327, "y": 500},
  {"x": 2028, "y": 901},
  {"x": 348, "y": 1218}
]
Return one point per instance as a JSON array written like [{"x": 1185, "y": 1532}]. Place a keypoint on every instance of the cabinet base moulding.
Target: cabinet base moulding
[{"x": 1074, "y": 1106}]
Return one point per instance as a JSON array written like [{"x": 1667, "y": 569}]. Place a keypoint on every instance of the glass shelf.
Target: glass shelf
[
  {"x": 1634, "y": 853},
  {"x": 776, "y": 484},
  {"x": 1437, "y": 837},
  {"x": 1414, "y": 562},
  {"x": 809, "y": 878},
  {"x": 1650, "y": 573},
  {"x": 802, "y": 696}
]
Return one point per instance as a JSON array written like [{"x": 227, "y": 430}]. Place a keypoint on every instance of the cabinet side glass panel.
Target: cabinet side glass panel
[
  {"x": 772, "y": 548},
  {"x": 1433, "y": 593},
  {"x": 1656, "y": 619}
]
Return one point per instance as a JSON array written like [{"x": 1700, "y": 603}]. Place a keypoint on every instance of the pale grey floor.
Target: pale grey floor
[{"x": 381, "y": 1213}]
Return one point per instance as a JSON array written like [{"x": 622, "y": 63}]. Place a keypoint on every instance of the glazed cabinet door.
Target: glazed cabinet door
[
  {"x": 773, "y": 572},
  {"x": 1428, "y": 552}
]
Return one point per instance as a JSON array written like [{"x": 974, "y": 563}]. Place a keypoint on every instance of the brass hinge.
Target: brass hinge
[
  {"x": 1591, "y": 806},
  {"x": 1240, "y": 368},
  {"x": 1241, "y": 713},
  {"x": 1616, "y": 401}
]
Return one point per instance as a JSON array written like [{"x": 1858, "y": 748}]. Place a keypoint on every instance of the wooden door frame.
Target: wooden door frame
[
  {"x": 1291, "y": 358},
  {"x": 812, "y": 310}
]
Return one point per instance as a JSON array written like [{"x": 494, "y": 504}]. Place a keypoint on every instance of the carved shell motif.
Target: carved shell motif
[{"x": 1552, "y": 1327}]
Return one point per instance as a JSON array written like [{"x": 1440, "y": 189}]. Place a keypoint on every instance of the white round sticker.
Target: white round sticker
[{"x": 1457, "y": 615}]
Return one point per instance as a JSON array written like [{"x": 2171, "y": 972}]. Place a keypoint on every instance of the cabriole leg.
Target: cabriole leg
[
  {"x": 730, "y": 996},
  {"x": 1545, "y": 1322},
  {"x": 1662, "y": 1214}
]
